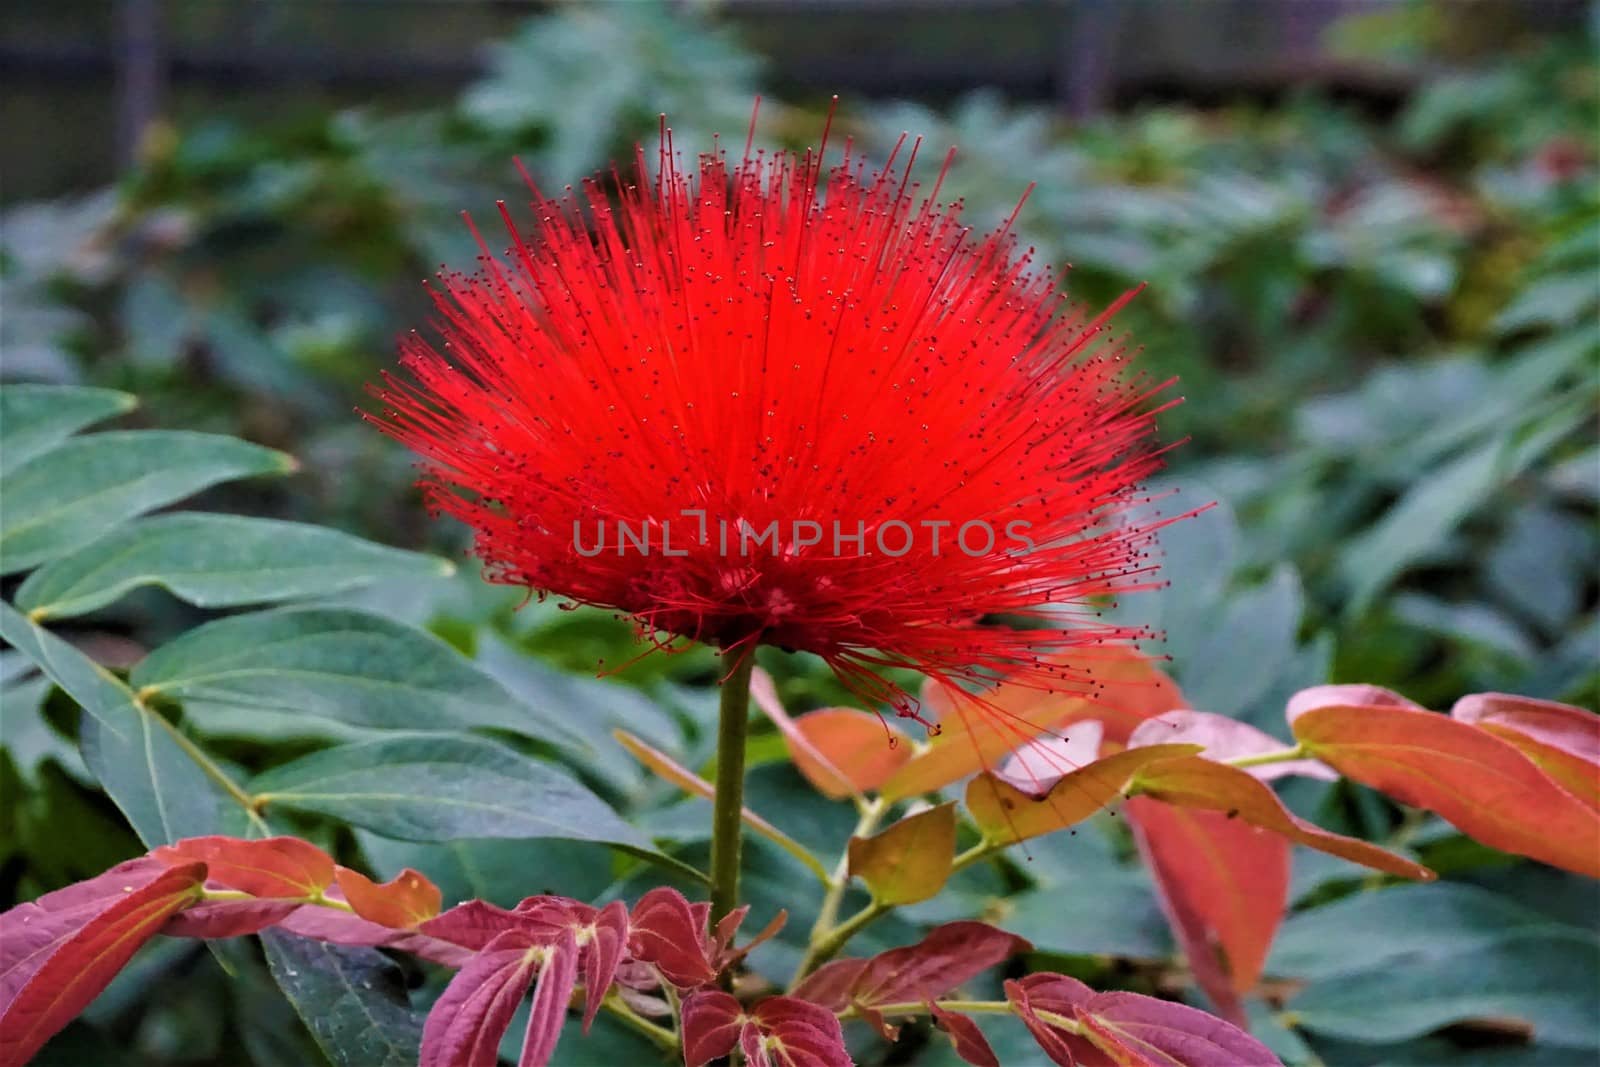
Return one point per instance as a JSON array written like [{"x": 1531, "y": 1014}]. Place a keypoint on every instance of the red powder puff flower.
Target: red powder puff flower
[{"x": 790, "y": 403}]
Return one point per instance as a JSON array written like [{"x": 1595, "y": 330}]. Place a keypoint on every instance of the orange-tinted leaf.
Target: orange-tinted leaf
[
  {"x": 270, "y": 867},
  {"x": 1481, "y": 784},
  {"x": 407, "y": 900},
  {"x": 843, "y": 752},
  {"x": 1562, "y": 739},
  {"x": 1118, "y": 689},
  {"x": 1106, "y": 1029},
  {"x": 910, "y": 861},
  {"x": 82, "y": 964},
  {"x": 690, "y": 782},
  {"x": 1194, "y": 782},
  {"x": 1006, "y": 814},
  {"x": 846, "y": 751},
  {"x": 1224, "y": 886}
]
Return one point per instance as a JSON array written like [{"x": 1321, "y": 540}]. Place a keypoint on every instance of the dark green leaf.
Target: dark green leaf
[
  {"x": 334, "y": 664},
  {"x": 352, "y": 999},
  {"x": 36, "y": 418},
  {"x": 74, "y": 493},
  {"x": 136, "y": 755},
  {"x": 216, "y": 561},
  {"x": 435, "y": 787}
]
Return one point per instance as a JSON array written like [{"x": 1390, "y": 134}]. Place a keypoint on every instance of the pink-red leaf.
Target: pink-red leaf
[
  {"x": 788, "y": 1032},
  {"x": 1224, "y": 739},
  {"x": 471, "y": 1015},
  {"x": 407, "y": 900},
  {"x": 712, "y": 1020},
  {"x": 78, "y": 966},
  {"x": 30, "y": 932},
  {"x": 1483, "y": 785},
  {"x": 667, "y": 931},
  {"x": 270, "y": 867},
  {"x": 338, "y": 927},
  {"x": 965, "y": 1035},
  {"x": 229, "y": 918},
  {"x": 551, "y": 995},
  {"x": 950, "y": 955},
  {"x": 1078, "y": 1027},
  {"x": 472, "y": 924},
  {"x": 1194, "y": 782},
  {"x": 608, "y": 941},
  {"x": 1562, "y": 739},
  {"x": 1224, "y": 887}
]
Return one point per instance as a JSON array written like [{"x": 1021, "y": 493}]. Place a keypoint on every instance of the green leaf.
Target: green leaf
[
  {"x": 1421, "y": 521},
  {"x": 1547, "y": 979},
  {"x": 1414, "y": 923},
  {"x": 1394, "y": 963},
  {"x": 216, "y": 561},
  {"x": 36, "y": 418},
  {"x": 67, "y": 497},
  {"x": 436, "y": 787},
  {"x": 353, "y": 1000},
  {"x": 137, "y": 756},
  {"x": 335, "y": 664}
]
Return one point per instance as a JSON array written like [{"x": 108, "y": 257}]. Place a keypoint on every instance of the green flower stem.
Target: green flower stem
[
  {"x": 727, "y": 816},
  {"x": 872, "y": 812},
  {"x": 619, "y": 1010},
  {"x": 964, "y": 1007},
  {"x": 1281, "y": 756}
]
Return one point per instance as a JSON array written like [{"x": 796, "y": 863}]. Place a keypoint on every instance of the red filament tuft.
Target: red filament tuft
[{"x": 779, "y": 401}]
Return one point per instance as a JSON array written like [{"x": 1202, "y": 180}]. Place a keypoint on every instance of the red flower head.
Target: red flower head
[{"x": 788, "y": 402}]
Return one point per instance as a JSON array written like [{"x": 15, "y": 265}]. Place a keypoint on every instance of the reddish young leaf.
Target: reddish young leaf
[
  {"x": 338, "y": 927},
  {"x": 471, "y": 1015},
  {"x": 271, "y": 867},
  {"x": 911, "y": 860},
  {"x": 1077, "y": 1026},
  {"x": 1119, "y": 689},
  {"x": 30, "y": 932},
  {"x": 1006, "y": 814},
  {"x": 1193, "y": 782},
  {"x": 607, "y": 942},
  {"x": 935, "y": 966},
  {"x": 472, "y": 924},
  {"x": 1224, "y": 887},
  {"x": 1478, "y": 782},
  {"x": 667, "y": 931},
  {"x": 1223, "y": 739},
  {"x": 788, "y": 1032},
  {"x": 405, "y": 901},
  {"x": 57, "y": 980},
  {"x": 845, "y": 752},
  {"x": 229, "y": 918},
  {"x": 712, "y": 1020},
  {"x": 1562, "y": 739},
  {"x": 968, "y": 1039},
  {"x": 551, "y": 995}
]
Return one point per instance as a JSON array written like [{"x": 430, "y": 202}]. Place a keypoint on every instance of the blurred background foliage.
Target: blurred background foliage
[{"x": 1371, "y": 236}]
